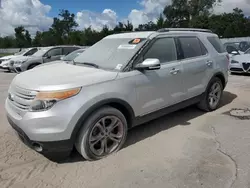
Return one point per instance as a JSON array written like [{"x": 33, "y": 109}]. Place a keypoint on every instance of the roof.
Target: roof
[
  {"x": 132, "y": 35},
  {"x": 152, "y": 34}
]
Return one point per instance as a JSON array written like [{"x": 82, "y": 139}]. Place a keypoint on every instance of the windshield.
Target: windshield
[
  {"x": 73, "y": 55},
  {"x": 21, "y": 52},
  {"x": 111, "y": 53},
  {"x": 41, "y": 52}
]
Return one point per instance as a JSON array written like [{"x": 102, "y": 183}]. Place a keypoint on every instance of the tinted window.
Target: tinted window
[
  {"x": 243, "y": 46},
  {"x": 215, "y": 41},
  {"x": 203, "y": 49},
  {"x": 31, "y": 52},
  {"x": 230, "y": 49},
  {"x": 55, "y": 52},
  {"x": 68, "y": 50},
  {"x": 191, "y": 47},
  {"x": 163, "y": 49}
]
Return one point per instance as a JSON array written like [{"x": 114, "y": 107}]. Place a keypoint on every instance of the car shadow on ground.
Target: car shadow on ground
[
  {"x": 144, "y": 131},
  {"x": 181, "y": 117}
]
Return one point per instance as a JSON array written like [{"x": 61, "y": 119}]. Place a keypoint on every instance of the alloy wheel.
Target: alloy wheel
[
  {"x": 214, "y": 95},
  {"x": 106, "y": 135}
]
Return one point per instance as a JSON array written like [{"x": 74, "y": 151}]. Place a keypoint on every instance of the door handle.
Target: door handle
[
  {"x": 209, "y": 63},
  {"x": 175, "y": 71}
]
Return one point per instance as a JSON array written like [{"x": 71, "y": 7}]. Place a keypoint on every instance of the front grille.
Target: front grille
[
  {"x": 21, "y": 98},
  {"x": 236, "y": 69},
  {"x": 246, "y": 66}
]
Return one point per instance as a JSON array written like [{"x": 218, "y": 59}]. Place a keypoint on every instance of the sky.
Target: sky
[{"x": 37, "y": 15}]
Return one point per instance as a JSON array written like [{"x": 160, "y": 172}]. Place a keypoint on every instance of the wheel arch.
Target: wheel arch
[
  {"x": 221, "y": 76},
  {"x": 119, "y": 104},
  {"x": 35, "y": 63}
]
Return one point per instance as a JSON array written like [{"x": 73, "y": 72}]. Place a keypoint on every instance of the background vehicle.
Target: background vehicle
[
  {"x": 122, "y": 81},
  {"x": 5, "y": 61},
  {"x": 44, "y": 55},
  {"x": 68, "y": 58},
  {"x": 72, "y": 55},
  {"x": 240, "y": 63}
]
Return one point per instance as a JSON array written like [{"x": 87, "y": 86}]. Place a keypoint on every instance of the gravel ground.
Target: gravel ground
[{"x": 185, "y": 149}]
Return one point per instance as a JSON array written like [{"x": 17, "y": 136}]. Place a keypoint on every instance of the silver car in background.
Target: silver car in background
[
  {"x": 44, "y": 55},
  {"x": 6, "y": 62},
  {"x": 65, "y": 59}
]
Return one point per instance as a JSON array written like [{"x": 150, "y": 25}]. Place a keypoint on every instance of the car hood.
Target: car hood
[
  {"x": 59, "y": 76},
  {"x": 22, "y": 58},
  {"x": 8, "y": 57},
  {"x": 242, "y": 58}
]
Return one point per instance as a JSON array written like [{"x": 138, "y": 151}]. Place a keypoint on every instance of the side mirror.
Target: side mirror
[
  {"x": 62, "y": 58},
  {"x": 149, "y": 64},
  {"x": 235, "y": 53}
]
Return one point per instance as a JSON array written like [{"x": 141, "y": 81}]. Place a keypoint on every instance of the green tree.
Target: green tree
[
  {"x": 63, "y": 25},
  {"x": 160, "y": 22},
  {"x": 181, "y": 12},
  {"x": 20, "y": 37},
  {"x": 28, "y": 39}
]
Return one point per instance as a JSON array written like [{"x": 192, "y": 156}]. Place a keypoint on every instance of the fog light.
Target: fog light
[{"x": 40, "y": 105}]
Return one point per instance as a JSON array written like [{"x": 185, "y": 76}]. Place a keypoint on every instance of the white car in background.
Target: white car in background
[
  {"x": 6, "y": 60},
  {"x": 240, "y": 63}
]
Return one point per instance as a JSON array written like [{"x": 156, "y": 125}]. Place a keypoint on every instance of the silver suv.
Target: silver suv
[{"x": 122, "y": 81}]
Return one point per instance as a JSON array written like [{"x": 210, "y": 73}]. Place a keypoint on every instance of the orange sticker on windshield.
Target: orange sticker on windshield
[{"x": 136, "y": 41}]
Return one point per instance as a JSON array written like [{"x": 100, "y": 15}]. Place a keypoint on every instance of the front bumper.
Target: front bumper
[
  {"x": 238, "y": 68},
  {"x": 51, "y": 150},
  {"x": 16, "y": 69},
  {"x": 46, "y": 126},
  {"x": 4, "y": 67}
]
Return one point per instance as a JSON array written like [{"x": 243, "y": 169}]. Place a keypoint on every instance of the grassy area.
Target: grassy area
[{"x": 1, "y": 55}]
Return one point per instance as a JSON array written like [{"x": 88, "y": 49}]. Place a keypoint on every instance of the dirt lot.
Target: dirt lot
[{"x": 185, "y": 149}]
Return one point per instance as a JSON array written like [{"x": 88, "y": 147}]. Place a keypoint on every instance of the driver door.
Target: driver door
[
  {"x": 53, "y": 55},
  {"x": 157, "y": 89}
]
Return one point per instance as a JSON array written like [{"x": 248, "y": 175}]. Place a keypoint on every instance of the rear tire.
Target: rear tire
[
  {"x": 102, "y": 134},
  {"x": 213, "y": 95}
]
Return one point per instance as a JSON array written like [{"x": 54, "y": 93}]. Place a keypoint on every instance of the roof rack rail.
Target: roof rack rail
[{"x": 184, "y": 29}]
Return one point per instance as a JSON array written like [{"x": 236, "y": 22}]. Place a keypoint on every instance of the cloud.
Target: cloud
[
  {"x": 96, "y": 20},
  {"x": 31, "y": 14},
  {"x": 229, "y": 5},
  {"x": 150, "y": 11}
]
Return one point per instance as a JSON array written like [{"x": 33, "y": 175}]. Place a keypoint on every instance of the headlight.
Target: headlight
[
  {"x": 19, "y": 63},
  {"x": 45, "y": 100},
  {"x": 6, "y": 59},
  {"x": 234, "y": 62}
]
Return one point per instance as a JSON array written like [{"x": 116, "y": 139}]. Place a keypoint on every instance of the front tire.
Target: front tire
[
  {"x": 102, "y": 134},
  {"x": 213, "y": 95}
]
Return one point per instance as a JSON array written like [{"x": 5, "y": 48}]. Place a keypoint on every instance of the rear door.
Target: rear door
[{"x": 197, "y": 65}]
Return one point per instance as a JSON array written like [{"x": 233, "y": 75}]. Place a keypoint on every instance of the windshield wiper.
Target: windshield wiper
[{"x": 85, "y": 63}]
